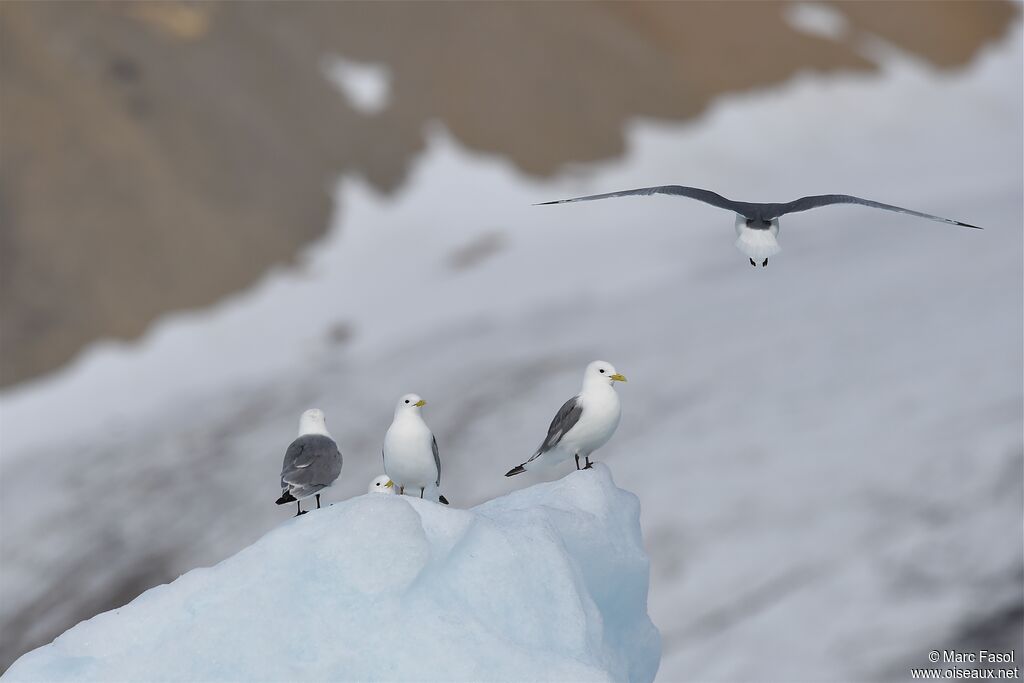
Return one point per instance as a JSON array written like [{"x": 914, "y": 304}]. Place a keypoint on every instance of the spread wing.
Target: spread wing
[
  {"x": 568, "y": 415},
  {"x": 816, "y": 201},
  {"x": 706, "y": 196},
  {"x": 437, "y": 458}
]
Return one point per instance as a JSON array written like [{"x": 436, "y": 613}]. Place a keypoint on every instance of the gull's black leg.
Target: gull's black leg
[
  {"x": 752, "y": 263},
  {"x": 318, "y": 501},
  {"x": 298, "y": 504},
  {"x": 577, "y": 461},
  {"x": 421, "y": 492},
  {"x": 401, "y": 490},
  {"x": 764, "y": 263}
]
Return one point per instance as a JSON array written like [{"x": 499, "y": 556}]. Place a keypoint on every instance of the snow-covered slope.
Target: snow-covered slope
[
  {"x": 828, "y": 450},
  {"x": 545, "y": 584}
]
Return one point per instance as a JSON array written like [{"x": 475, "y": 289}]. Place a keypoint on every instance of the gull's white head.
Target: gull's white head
[
  {"x": 601, "y": 372},
  {"x": 410, "y": 403},
  {"x": 382, "y": 484},
  {"x": 313, "y": 421}
]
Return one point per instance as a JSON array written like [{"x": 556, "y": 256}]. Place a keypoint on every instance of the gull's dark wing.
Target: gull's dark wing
[
  {"x": 437, "y": 458},
  {"x": 815, "y": 201},
  {"x": 706, "y": 196},
  {"x": 568, "y": 415},
  {"x": 310, "y": 460}
]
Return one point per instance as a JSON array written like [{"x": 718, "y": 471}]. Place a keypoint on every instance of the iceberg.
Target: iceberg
[{"x": 546, "y": 583}]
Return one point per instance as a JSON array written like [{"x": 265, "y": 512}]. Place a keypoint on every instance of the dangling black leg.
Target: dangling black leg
[
  {"x": 589, "y": 464},
  {"x": 577, "y": 461},
  {"x": 752, "y": 263},
  {"x": 318, "y": 501},
  {"x": 421, "y": 492},
  {"x": 764, "y": 263}
]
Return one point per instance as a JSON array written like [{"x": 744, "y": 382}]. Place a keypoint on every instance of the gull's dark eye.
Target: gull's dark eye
[
  {"x": 406, "y": 400},
  {"x": 601, "y": 371}
]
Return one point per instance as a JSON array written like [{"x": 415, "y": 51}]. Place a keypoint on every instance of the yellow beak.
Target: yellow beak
[
  {"x": 420, "y": 403},
  {"x": 389, "y": 484},
  {"x": 617, "y": 377}
]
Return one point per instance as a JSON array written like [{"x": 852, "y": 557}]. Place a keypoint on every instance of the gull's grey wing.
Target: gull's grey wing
[
  {"x": 312, "y": 460},
  {"x": 437, "y": 458},
  {"x": 706, "y": 196},
  {"x": 568, "y": 415},
  {"x": 815, "y": 201}
]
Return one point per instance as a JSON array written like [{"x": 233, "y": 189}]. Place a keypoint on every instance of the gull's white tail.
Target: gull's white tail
[{"x": 757, "y": 244}]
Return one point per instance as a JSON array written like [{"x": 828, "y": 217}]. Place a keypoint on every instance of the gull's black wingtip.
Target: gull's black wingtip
[
  {"x": 557, "y": 201},
  {"x": 286, "y": 497},
  {"x": 518, "y": 469}
]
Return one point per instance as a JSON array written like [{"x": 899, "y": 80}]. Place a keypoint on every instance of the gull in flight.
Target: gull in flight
[
  {"x": 757, "y": 224},
  {"x": 583, "y": 424}
]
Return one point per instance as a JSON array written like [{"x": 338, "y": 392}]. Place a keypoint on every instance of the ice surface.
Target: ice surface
[{"x": 547, "y": 583}]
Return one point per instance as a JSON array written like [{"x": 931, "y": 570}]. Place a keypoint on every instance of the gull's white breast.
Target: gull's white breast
[
  {"x": 597, "y": 423},
  {"x": 409, "y": 453}
]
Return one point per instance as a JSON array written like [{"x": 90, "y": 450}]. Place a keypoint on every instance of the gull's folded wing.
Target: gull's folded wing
[{"x": 568, "y": 415}]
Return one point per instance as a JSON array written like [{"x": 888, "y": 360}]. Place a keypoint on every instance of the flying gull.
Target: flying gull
[
  {"x": 757, "y": 224},
  {"x": 583, "y": 424},
  {"x": 311, "y": 463},
  {"x": 410, "y": 450}
]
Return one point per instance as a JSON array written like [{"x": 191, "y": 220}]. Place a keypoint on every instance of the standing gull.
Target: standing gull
[
  {"x": 410, "y": 450},
  {"x": 583, "y": 424},
  {"x": 311, "y": 463},
  {"x": 757, "y": 224}
]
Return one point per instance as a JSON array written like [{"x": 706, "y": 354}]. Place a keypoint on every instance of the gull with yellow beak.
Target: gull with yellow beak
[
  {"x": 757, "y": 223},
  {"x": 410, "y": 450},
  {"x": 583, "y": 424},
  {"x": 382, "y": 484}
]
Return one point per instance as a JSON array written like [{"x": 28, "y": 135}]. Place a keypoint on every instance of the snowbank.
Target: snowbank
[{"x": 547, "y": 583}]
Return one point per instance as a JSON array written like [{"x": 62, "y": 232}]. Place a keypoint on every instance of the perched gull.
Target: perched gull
[
  {"x": 757, "y": 224},
  {"x": 410, "y": 449},
  {"x": 382, "y": 484},
  {"x": 583, "y": 424},
  {"x": 311, "y": 463}
]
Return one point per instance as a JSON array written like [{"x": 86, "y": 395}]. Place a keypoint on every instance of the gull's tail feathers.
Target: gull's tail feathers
[
  {"x": 757, "y": 244},
  {"x": 518, "y": 469}
]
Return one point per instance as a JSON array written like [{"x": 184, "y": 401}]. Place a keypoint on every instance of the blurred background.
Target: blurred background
[{"x": 213, "y": 216}]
